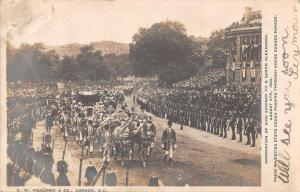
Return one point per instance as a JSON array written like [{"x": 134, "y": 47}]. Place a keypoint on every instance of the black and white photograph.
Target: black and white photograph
[{"x": 133, "y": 93}]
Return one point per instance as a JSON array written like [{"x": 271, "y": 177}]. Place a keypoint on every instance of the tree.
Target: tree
[
  {"x": 91, "y": 65},
  {"x": 25, "y": 64},
  {"x": 165, "y": 50},
  {"x": 31, "y": 63},
  {"x": 216, "y": 48},
  {"x": 68, "y": 69},
  {"x": 119, "y": 65},
  {"x": 49, "y": 64}
]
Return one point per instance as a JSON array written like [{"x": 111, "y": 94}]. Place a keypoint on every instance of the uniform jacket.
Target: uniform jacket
[{"x": 169, "y": 135}]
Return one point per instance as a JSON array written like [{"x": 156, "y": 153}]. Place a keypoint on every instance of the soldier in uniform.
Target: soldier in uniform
[
  {"x": 232, "y": 126},
  {"x": 240, "y": 128},
  {"x": 80, "y": 125},
  {"x": 169, "y": 142},
  {"x": 224, "y": 127},
  {"x": 90, "y": 137},
  {"x": 250, "y": 132},
  {"x": 107, "y": 145},
  {"x": 49, "y": 120}
]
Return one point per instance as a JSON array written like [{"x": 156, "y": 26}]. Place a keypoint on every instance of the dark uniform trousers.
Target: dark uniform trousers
[{"x": 240, "y": 129}]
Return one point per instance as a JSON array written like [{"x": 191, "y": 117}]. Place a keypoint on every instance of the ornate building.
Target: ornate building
[{"x": 244, "y": 53}]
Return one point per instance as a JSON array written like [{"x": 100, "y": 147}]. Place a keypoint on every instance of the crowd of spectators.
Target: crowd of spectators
[{"x": 203, "y": 80}]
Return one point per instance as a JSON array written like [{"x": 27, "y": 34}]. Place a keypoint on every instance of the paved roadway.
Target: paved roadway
[{"x": 202, "y": 159}]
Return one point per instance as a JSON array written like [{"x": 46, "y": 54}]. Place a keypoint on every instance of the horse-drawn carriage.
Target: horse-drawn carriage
[
  {"x": 99, "y": 126},
  {"x": 129, "y": 137}
]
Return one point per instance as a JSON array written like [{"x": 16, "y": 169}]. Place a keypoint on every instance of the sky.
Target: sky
[{"x": 58, "y": 22}]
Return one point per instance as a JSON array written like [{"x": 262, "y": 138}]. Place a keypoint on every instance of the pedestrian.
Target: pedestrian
[
  {"x": 47, "y": 175},
  {"x": 111, "y": 178},
  {"x": 90, "y": 174},
  {"x": 153, "y": 181},
  {"x": 62, "y": 178},
  {"x": 180, "y": 181}
]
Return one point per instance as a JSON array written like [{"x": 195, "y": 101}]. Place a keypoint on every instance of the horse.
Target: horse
[
  {"x": 126, "y": 145},
  {"x": 146, "y": 137}
]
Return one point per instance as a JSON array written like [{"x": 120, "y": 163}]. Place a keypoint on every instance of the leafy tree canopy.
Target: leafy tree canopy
[
  {"x": 165, "y": 50},
  {"x": 33, "y": 63}
]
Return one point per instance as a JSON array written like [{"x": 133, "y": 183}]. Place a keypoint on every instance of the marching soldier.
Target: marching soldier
[{"x": 169, "y": 142}]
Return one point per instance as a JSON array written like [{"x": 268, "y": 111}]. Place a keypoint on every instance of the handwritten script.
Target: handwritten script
[{"x": 290, "y": 69}]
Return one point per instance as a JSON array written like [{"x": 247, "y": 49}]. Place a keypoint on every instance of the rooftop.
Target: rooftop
[{"x": 251, "y": 20}]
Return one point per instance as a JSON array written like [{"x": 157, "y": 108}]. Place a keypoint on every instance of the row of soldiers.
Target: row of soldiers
[{"x": 212, "y": 111}]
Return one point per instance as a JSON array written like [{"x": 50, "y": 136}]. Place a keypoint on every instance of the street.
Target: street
[{"x": 202, "y": 159}]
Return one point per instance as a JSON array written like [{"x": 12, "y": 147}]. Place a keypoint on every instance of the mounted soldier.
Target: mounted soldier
[{"x": 146, "y": 137}]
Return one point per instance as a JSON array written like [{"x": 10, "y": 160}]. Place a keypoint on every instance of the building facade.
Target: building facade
[{"x": 244, "y": 52}]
